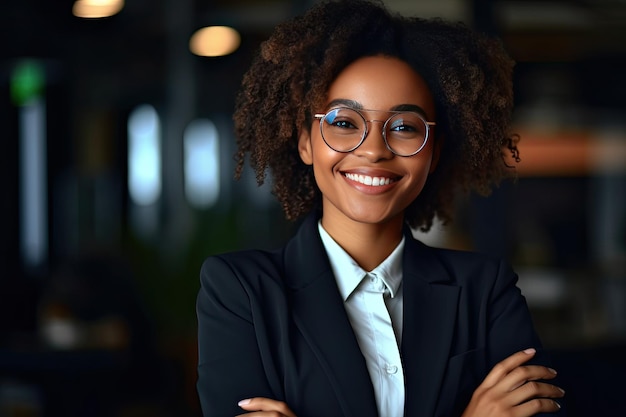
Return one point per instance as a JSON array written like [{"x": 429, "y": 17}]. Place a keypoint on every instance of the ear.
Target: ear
[
  {"x": 304, "y": 147},
  {"x": 437, "y": 148}
]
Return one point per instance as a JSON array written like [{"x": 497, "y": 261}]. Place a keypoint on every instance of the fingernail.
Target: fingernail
[
  {"x": 244, "y": 402},
  {"x": 552, "y": 370},
  {"x": 530, "y": 351},
  {"x": 562, "y": 390},
  {"x": 557, "y": 404}
]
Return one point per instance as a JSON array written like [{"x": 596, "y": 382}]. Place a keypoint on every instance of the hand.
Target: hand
[
  {"x": 512, "y": 390},
  {"x": 265, "y": 407}
]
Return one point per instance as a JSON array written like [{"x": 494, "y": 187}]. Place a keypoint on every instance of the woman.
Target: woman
[{"x": 370, "y": 123}]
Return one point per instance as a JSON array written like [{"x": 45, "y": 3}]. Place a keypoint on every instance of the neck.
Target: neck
[{"x": 367, "y": 244}]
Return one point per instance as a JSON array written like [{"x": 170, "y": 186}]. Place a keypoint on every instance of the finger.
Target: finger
[
  {"x": 522, "y": 374},
  {"x": 535, "y": 406},
  {"x": 502, "y": 368},
  {"x": 279, "y": 408},
  {"x": 534, "y": 389}
]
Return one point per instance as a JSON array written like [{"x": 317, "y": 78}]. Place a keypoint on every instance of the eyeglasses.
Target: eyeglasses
[{"x": 344, "y": 129}]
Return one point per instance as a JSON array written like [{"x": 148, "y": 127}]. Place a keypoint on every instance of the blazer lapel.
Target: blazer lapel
[
  {"x": 320, "y": 315},
  {"x": 430, "y": 309}
]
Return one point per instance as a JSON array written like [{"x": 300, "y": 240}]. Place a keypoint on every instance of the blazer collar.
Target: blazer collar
[
  {"x": 320, "y": 315},
  {"x": 430, "y": 310},
  {"x": 430, "y": 307}
]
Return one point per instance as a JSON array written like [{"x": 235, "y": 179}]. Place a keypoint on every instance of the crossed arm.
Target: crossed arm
[{"x": 511, "y": 389}]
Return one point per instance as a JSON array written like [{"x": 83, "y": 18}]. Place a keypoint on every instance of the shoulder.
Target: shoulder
[
  {"x": 467, "y": 268},
  {"x": 243, "y": 261},
  {"x": 248, "y": 274},
  {"x": 242, "y": 265},
  {"x": 462, "y": 259}
]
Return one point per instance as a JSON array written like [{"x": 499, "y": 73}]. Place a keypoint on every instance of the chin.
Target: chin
[{"x": 368, "y": 217}]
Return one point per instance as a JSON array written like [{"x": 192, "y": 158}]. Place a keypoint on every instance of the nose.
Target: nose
[{"x": 374, "y": 147}]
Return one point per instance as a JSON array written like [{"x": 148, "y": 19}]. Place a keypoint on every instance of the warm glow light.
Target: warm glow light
[
  {"x": 93, "y": 9},
  {"x": 214, "y": 41}
]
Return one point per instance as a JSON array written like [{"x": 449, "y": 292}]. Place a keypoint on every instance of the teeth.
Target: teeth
[{"x": 367, "y": 180}]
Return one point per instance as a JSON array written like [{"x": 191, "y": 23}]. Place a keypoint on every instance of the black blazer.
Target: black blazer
[{"x": 273, "y": 324}]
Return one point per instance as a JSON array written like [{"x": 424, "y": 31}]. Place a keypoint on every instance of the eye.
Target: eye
[
  {"x": 402, "y": 127},
  {"x": 343, "y": 124},
  {"x": 343, "y": 119},
  {"x": 406, "y": 125}
]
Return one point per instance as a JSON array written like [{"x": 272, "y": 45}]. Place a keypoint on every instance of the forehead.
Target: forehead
[{"x": 381, "y": 83}]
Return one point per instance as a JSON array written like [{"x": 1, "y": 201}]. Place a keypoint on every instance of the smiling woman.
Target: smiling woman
[
  {"x": 370, "y": 123},
  {"x": 386, "y": 84}
]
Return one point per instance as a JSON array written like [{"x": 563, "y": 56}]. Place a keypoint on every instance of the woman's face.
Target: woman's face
[{"x": 371, "y": 184}]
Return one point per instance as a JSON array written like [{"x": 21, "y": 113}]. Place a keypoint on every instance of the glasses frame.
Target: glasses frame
[{"x": 322, "y": 117}]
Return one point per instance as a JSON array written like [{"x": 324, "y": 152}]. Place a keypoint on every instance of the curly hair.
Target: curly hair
[{"x": 469, "y": 75}]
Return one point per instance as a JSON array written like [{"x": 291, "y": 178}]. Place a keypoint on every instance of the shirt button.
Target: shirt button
[{"x": 391, "y": 369}]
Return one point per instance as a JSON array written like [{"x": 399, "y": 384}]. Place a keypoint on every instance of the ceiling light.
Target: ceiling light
[
  {"x": 94, "y": 9},
  {"x": 214, "y": 41}
]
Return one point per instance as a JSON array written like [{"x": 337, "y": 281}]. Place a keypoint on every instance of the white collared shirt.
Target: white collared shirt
[{"x": 377, "y": 326}]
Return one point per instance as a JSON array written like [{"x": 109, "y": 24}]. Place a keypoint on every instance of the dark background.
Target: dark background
[{"x": 129, "y": 289}]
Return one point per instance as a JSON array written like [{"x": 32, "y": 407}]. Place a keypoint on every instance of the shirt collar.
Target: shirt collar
[{"x": 349, "y": 274}]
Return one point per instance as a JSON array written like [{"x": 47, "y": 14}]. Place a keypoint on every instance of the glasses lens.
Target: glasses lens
[
  {"x": 406, "y": 133},
  {"x": 343, "y": 129}
]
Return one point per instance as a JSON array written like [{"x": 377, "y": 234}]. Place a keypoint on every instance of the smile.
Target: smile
[{"x": 367, "y": 180}]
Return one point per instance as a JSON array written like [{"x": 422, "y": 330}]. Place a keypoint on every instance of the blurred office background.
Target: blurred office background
[{"x": 116, "y": 182}]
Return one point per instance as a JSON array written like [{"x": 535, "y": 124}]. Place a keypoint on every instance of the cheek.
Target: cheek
[
  {"x": 428, "y": 159},
  {"x": 421, "y": 170},
  {"x": 323, "y": 156}
]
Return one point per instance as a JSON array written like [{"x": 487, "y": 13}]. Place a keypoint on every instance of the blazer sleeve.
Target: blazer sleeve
[
  {"x": 493, "y": 322},
  {"x": 230, "y": 366},
  {"x": 510, "y": 325}
]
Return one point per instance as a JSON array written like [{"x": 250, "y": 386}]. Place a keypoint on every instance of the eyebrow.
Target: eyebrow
[{"x": 358, "y": 106}]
